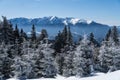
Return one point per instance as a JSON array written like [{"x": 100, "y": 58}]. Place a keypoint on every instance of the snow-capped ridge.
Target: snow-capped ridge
[{"x": 49, "y": 20}]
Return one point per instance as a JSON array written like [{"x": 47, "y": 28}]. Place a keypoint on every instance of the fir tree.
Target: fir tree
[
  {"x": 23, "y": 36},
  {"x": 43, "y": 34},
  {"x": 109, "y": 56},
  {"x": 33, "y": 33},
  {"x": 45, "y": 64},
  {"x": 23, "y": 63},
  {"x": 115, "y": 34},
  {"x": 58, "y": 45},
  {"x": 16, "y": 32},
  {"x": 69, "y": 37},
  {"x": 108, "y": 35},
  {"x": 5, "y": 63},
  {"x": 64, "y": 35},
  {"x": 6, "y": 32},
  {"x": 93, "y": 41},
  {"x": 68, "y": 66},
  {"x": 83, "y": 61}
]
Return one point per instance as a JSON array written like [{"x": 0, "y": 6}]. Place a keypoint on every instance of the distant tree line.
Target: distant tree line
[{"x": 31, "y": 57}]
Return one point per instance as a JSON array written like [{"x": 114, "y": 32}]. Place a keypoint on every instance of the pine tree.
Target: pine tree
[
  {"x": 109, "y": 56},
  {"x": 6, "y": 62},
  {"x": 115, "y": 34},
  {"x": 23, "y": 63},
  {"x": 33, "y": 33},
  {"x": 23, "y": 36},
  {"x": 69, "y": 37},
  {"x": 64, "y": 35},
  {"x": 16, "y": 32},
  {"x": 108, "y": 35},
  {"x": 93, "y": 41},
  {"x": 58, "y": 45},
  {"x": 68, "y": 66},
  {"x": 83, "y": 61},
  {"x": 43, "y": 34},
  {"x": 3, "y": 56},
  {"x": 45, "y": 64},
  {"x": 60, "y": 57},
  {"x": 6, "y": 32}
]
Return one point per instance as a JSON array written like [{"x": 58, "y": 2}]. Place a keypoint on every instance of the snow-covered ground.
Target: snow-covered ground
[{"x": 100, "y": 76}]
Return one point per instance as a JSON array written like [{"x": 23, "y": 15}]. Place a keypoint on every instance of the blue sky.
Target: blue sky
[{"x": 103, "y": 11}]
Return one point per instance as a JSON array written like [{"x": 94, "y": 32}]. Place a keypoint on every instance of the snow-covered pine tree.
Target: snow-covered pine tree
[
  {"x": 109, "y": 56},
  {"x": 83, "y": 60},
  {"x": 5, "y": 62},
  {"x": 59, "y": 58},
  {"x": 23, "y": 63},
  {"x": 45, "y": 63},
  {"x": 68, "y": 66}
]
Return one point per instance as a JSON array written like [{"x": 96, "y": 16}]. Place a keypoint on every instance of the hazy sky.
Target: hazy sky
[{"x": 103, "y": 11}]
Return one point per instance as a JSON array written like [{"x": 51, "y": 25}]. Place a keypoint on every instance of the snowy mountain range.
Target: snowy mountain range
[{"x": 52, "y": 20}]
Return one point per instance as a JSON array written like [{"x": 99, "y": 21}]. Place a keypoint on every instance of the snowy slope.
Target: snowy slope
[{"x": 109, "y": 76}]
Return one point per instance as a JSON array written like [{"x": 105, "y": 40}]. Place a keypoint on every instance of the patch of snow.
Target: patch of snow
[
  {"x": 65, "y": 22},
  {"x": 37, "y": 32},
  {"x": 52, "y": 17},
  {"x": 100, "y": 76},
  {"x": 89, "y": 21},
  {"x": 74, "y": 21},
  {"x": 28, "y": 33}
]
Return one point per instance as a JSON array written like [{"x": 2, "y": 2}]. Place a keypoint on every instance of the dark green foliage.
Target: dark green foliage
[
  {"x": 64, "y": 35},
  {"x": 58, "y": 42},
  {"x": 69, "y": 37},
  {"x": 112, "y": 34},
  {"x": 6, "y": 68},
  {"x": 23, "y": 36},
  {"x": 108, "y": 35},
  {"x": 16, "y": 32},
  {"x": 63, "y": 39},
  {"x": 33, "y": 33},
  {"x": 43, "y": 34},
  {"x": 6, "y": 32},
  {"x": 115, "y": 34},
  {"x": 93, "y": 41}
]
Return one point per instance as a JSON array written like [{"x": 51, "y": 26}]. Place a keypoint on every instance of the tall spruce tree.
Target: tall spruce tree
[
  {"x": 43, "y": 34},
  {"x": 5, "y": 62},
  {"x": 68, "y": 66},
  {"x": 45, "y": 64},
  {"x": 92, "y": 39},
  {"x": 109, "y": 56},
  {"x": 16, "y": 32},
  {"x": 83, "y": 61},
  {"x": 64, "y": 35},
  {"x": 6, "y": 32},
  {"x": 115, "y": 34},
  {"x": 69, "y": 37},
  {"x": 33, "y": 33},
  {"x": 108, "y": 35},
  {"x": 58, "y": 45}
]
